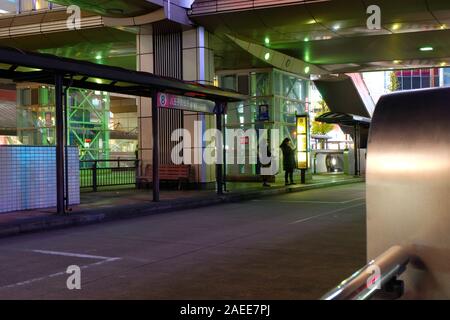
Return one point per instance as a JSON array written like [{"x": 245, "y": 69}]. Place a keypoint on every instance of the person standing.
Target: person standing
[
  {"x": 288, "y": 161},
  {"x": 265, "y": 178}
]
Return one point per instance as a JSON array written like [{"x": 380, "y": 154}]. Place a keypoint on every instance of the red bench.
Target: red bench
[{"x": 167, "y": 172}]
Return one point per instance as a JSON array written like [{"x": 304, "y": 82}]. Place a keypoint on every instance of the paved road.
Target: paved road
[{"x": 294, "y": 246}]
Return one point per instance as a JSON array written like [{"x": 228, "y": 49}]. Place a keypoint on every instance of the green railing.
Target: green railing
[{"x": 107, "y": 173}]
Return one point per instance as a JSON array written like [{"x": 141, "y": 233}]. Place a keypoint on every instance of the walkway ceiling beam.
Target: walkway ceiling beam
[{"x": 138, "y": 82}]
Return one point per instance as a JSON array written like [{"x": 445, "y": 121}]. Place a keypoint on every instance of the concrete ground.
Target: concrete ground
[
  {"x": 113, "y": 197},
  {"x": 292, "y": 246}
]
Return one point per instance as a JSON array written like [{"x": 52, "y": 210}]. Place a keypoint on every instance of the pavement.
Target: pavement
[
  {"x": 120, "y": 203},
  {"x": 288, "y": 246}
]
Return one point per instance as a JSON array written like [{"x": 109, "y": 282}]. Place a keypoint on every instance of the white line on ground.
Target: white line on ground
[
  {"x": 311, "y": 201},
  {"x": 327, "y": 213},
  {"x": 76, "y": 255},
  {"x": 57, "y": 274}
]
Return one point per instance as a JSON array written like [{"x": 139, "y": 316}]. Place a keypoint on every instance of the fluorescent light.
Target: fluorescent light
[
  {"x": 336, "y": 27},
  {"x": 3, "y": 11},
  {"x": 424, "y": 49}
]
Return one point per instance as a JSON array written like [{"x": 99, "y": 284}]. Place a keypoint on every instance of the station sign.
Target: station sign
[
  {"x": 303, "y": 142},
  {"x": 171, "y": 101},
  {"x": 263, "y": 112}
]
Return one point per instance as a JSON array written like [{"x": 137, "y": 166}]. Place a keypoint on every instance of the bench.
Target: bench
[{"x": 167, "y": 172}]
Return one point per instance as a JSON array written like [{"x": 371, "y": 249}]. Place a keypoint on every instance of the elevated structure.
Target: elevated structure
[{"x": 65, "y": 73}]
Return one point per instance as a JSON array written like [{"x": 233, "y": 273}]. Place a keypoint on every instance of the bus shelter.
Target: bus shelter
[
  {"x": 64, "y": 73},
  {"x": 352, "y": 124}
]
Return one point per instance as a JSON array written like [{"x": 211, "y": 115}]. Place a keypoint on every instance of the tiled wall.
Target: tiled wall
[{"x": 28, "y": 177}]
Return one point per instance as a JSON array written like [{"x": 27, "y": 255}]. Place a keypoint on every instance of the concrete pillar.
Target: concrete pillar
[
  {"x": 144, "y": 57},
  {"x": 198, "y": 66}
]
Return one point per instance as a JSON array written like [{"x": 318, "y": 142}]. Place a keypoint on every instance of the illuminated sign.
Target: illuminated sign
[
  {"x": 263, "y": 114},
  {"x": 303, "y": 142},
  {"x": 170, "y": 101}
]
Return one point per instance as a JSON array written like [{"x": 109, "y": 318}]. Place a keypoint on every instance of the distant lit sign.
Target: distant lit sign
[
  {"x": 303, "y": 142},
  {"x": 263, "y": 114},
  {"x": 48, "y": 119},
  {"x": 170, "y": 101},
  {"x": 245, "y": 140}
]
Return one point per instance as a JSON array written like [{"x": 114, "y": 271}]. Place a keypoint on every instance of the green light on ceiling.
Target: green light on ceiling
[
  {"x": 267, "y": 41},
  {"x": 427, "y": 48}
]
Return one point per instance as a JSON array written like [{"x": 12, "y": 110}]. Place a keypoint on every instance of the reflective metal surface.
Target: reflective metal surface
[
  {"x": 408, "y": 186},
  {"x": 363, "y": 284}
]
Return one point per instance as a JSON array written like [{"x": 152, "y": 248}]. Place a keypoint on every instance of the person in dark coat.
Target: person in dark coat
[
  {"x": 288, "y": 161},
  {"x": 265, "y": 178}
]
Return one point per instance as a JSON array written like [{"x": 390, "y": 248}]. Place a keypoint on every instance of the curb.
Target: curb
[{"x": 92, "y": 216}]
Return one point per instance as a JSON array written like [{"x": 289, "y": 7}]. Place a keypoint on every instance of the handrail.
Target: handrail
[{"x": 376, "y": 275}]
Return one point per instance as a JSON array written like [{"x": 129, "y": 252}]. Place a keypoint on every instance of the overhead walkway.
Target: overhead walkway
[{"x": 346, "y": 93}]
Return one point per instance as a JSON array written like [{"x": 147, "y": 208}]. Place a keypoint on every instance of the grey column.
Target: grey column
[
  {"x": 155, "y": 133},
  {"x": 59, "y": 143},
  {"x": 219, "y": 150}
]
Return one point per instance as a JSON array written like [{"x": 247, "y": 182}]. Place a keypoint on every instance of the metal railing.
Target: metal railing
[
  {"x": 377, "y": 277},
  {"x": 107, "y": 173}
]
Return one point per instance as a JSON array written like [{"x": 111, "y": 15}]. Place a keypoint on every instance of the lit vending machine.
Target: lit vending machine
[{"x": 303, "y": 145}]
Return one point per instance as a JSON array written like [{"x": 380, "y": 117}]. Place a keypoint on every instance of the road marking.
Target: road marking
[
  {"x": 327, "y": 213},
  {"x": 310, "y": 201},
  {"x": 76, "y": 255},
  {"x": 102, "y": 259}
]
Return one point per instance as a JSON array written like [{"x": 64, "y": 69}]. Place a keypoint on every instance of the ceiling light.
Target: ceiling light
[
  {"x": 336, "y": 27},
  {"x": 307, "y": 69},
  {"x": 306, "y": 39},
  {"x": 443, "y": 64},
  {"x": 396, "y": 26},
  {"x": 98, "y": 57},
  {"x": 443, "y": 27},
  {"x": 397, "y": 61},
  {"x": 267, "y": 40},
  {"x": 267, "y": 56},
  {"x": 427, "y": 48}
]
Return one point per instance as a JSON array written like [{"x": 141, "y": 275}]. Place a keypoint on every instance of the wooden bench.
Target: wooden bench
[{"x": 167, "y": 172}]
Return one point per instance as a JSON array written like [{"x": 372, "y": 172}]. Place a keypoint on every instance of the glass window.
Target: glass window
[
  {"x": 260, "y": 84},
  {"x": 406, "y": 83},
  {"x": 8, "y": 6},
  {"x": 416, "y": 83},
  {"x": 229, "y": 82},
  {"x": 26, "y": 5}
]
